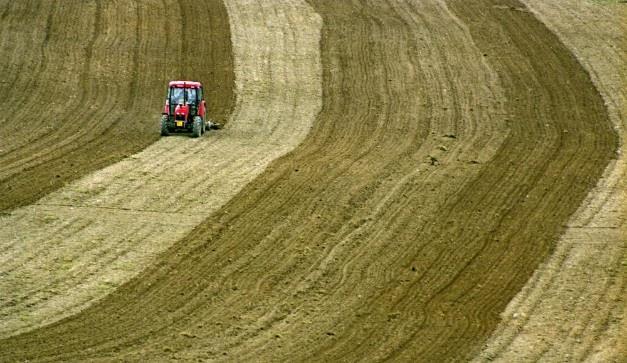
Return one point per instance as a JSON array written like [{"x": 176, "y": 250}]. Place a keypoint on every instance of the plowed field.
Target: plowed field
[
  {"x": 82, "y": 81},
  {"x": 573, "y": 308},
  {"x": 391, "y": 175}
]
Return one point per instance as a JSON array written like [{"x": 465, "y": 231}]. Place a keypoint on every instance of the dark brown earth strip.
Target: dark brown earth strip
[
  {"x": 357, "y": 246},
  {"x": 560, "y": 143},
  {"x": 88, "y": 93},
  {"x": 588, "y": 265}
]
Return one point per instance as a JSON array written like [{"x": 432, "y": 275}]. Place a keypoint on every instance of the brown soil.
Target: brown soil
[
  {"x": 81, "y": 242},
  {"x": 83, "y": 83},
  {"x": 573, "y": 308},
  {"x": 379, "y": 237}
]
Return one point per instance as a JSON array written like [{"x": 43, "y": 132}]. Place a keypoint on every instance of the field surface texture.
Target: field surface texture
[
  {"x": 398, "y": 180},
  {"x": 82, "y": 241},
  {"x": 574, "y": 306},
  {"x": 84, "y": 79}
]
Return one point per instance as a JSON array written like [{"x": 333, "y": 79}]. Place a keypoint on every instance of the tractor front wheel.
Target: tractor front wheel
[
  {"x": 197, "y": 127},
  {"x": 164, "y": 126}
]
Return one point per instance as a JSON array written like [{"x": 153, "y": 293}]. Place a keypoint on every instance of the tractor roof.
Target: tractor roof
[{"x": 185, "y": 84}]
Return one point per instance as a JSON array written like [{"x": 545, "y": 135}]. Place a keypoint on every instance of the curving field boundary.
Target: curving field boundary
[
  {"x": 455, "y": 140},
  {"x": 430, "y": 187},
  {"x": 83, "y": 83},
  {"x": 573, "y": 308},
  {"x": 78, "y": 244}
]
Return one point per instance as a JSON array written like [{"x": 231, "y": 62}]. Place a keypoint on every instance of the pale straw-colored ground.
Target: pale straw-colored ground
[
  {"x": 80, "y": 243},
  {"x": 573, "y": 308}
]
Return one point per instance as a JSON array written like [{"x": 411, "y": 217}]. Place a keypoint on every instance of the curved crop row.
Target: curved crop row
[
  {"x": 83, "y": 83},
  {"x": 573, "y": 307},
  {"x": 455, "y": 139}
]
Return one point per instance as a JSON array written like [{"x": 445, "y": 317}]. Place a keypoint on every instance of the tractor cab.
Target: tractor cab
[{"x": 185, "y": 109}]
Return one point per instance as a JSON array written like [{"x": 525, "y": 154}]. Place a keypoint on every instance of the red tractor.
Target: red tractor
[{"x": 185, "y": 109}]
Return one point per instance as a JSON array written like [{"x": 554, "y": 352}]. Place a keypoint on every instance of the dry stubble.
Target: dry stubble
[
  {"x": 329, "y": 253},
  {"x": 573, "y": 308},
  {"x": 78, "y": 244}
]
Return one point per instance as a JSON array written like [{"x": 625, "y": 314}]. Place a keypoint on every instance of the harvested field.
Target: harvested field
[
  {"x": 96, "y": 75},
  {"x": 574, "y": 306},
  {"x": 81, "y": 242},
  {"x": 452, "y": 142}
]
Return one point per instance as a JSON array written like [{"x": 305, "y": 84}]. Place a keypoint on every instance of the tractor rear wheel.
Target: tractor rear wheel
[
  {"x": 197, "y": 127},
  {"x": 164, "y": 126}
]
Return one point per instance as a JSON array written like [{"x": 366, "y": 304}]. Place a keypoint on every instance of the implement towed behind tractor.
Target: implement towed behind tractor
[{"x": 185, "y": 109}]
